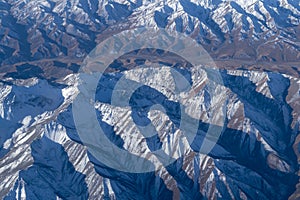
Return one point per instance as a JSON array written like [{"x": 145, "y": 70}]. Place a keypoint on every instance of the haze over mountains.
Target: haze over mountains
[{"x": 42, "y": 45}]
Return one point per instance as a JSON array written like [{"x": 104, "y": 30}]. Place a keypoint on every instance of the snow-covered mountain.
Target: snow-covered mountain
[
  {"x": 42, "y": 45},
  {"x": 255, "y": 156},
  {"x": 60, "y": 34}
]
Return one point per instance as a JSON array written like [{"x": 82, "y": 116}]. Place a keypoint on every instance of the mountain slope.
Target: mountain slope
[
  {"x": 60, "y": 34},
  {"x": 254, "y": 157},
  {"x": 44, "y": 42}
]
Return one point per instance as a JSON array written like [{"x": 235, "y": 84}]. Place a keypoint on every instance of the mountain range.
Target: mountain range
[{"x": 256, "y": 47}]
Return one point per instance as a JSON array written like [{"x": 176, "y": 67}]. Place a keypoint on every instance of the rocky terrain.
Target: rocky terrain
[
  {"x": 42, "y": 46},
  {"x": 51, "y": 38}
]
